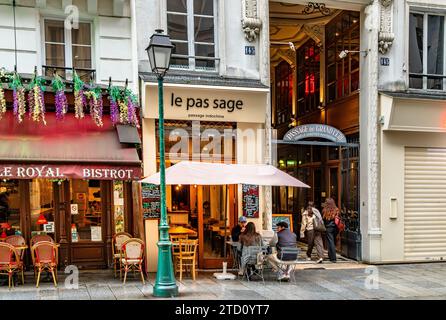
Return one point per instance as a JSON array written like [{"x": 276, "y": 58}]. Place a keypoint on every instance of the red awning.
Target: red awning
[{"x": 75, "y": 144}]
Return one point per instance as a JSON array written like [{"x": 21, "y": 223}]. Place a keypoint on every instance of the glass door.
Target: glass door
[{"x": 216, "y": 211}]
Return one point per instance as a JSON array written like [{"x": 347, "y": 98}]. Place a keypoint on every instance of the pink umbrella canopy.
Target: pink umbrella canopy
[{"x": 205, "y": 173}]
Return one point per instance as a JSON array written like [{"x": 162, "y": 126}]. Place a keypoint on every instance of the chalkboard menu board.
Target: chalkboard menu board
[
  {"x": 250, "y": 200},
  {"x": 288, "y": 218},
  {"x": 151, "y": 201}
]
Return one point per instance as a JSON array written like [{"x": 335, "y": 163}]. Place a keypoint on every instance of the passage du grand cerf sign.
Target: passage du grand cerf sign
[{"x": 96, "y": 172}]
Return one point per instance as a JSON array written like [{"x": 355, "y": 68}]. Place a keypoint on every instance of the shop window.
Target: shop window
[
  {"x": 426, "y": 51},
  {"x": 308, "y": 77},
  {"x": 66, "y": 49},
  {"x": 180, "y": 198},
  {"x": 342, "y": 75},
  {"x": 9, "y": 207},
  {"x": 191, "y": 26},
  {"x": 350, "y": 184},
  {"x": 334, "y": 183},
  {"x": 86, "y": 223},
  {"x": 118, "y": 205},
  {"x": 42, "y": 207},
  {"x": 333, "y": 153},
  {"x": 284, "y": 93},
  {"x": 304, "y": 155}
]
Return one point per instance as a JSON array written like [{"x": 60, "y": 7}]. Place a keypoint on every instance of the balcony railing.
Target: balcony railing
[{"x": 85, "y": 74}]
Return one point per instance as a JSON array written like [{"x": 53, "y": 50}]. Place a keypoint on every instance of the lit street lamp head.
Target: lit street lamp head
[{"x": 159, "y": 52}]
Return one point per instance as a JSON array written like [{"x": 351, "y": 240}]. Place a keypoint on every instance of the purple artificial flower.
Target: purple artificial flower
[
  {"x": 15, "y": 103},
  {"x": 133, "y": 119},
  {"x": 114, "y": 111},
  {"x": 61, "y": 101}
]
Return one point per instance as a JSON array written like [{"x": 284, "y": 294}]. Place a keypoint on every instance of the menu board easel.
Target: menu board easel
[
  {"x": 250, "y": 200},
  {"x": 288, "y": 218},
  {"x": 151, "y": 201}
]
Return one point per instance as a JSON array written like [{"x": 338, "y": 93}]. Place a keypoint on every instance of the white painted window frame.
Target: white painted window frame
[
  {"x": 426, "y": 14},
  {"x": 68, "y": 43},
  {"x": 190, "y": 36}
]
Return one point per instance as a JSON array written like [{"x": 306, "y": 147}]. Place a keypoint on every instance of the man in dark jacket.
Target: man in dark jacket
[
  {"x": 238, "y": 229},
  {"x": 285, "y": 239}
]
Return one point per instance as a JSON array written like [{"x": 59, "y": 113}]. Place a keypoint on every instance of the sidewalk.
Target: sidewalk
[{"x": 334, "y": 281}]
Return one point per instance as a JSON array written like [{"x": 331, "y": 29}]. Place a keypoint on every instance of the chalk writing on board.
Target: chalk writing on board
[
  {"x": 288, "y": 218},
  {"x": 151, "y": 200},
  {"x": 250, "y": 200}
]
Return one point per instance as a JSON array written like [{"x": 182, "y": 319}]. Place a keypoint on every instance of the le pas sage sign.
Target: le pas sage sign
[
  {"x": 315, "y": 131},
  {"x": 205, "y": 103}
]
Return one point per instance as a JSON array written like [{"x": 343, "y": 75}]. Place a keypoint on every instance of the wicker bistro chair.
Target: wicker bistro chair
[
  {"x": 187, "y": 257},
  {"x": 117, "y": 241},
  {"x": 35, "y": 239},
  {"x": 10, "y": 262},
  {"x": 46, "y": 256},
  {"x": 40, "y": 237},
  {"x": 18, "y": 241},
  {"x": 253, "y": 259},
  {"x": 132, "y": 257}
]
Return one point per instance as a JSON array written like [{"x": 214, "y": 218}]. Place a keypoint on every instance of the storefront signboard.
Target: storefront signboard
[
  {"x": 96, "y": 172},
  {"x": 315, "y": 131},
  {"x": 207, "y": 103},
  {"x": 151, "y": 201},
  {"x": 250, "y": 200}
]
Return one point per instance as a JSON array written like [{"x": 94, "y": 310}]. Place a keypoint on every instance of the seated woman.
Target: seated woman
[{"x": 248, "y": 238}]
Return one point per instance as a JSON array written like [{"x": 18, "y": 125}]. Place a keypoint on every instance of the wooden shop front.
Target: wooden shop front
[{"x": 71, "y": 180}]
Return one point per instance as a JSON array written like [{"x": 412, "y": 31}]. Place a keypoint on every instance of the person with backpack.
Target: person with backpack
[
  {"x": 311, "y": 228},
  {"x": 331, "y": 216}
]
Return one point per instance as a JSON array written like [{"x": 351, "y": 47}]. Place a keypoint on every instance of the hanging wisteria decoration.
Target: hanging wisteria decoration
[
  {"x": 113, "y": 96},
  {"x": 80, "y": 101},
  {"x": 123, "y": 102},
  {"x": 132, "y": 104},
  {"x": 2, "y": 102},
  {"x": 36, "y": 99},
  {"x": 60, "y": 99},
  {"x": 18, "y": 97},
  {"x": 94, "y": 95}
]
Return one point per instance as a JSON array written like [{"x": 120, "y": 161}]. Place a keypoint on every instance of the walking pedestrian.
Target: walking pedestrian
[
  {"x": 329, "y": 213},
  {"x": 310, "y": 229}
]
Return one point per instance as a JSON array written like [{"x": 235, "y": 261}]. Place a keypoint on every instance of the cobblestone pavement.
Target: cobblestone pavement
[{"x": 312, "y": 282}]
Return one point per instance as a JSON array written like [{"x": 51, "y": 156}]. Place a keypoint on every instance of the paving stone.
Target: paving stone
[
  {"x": 100, "y": 292},
  {"x": 74, "y": 294}
]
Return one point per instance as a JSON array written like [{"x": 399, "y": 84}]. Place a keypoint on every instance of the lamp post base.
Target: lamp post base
[
  {"x": 165, "y": 291},
  {"x": 165, "y": 284}
]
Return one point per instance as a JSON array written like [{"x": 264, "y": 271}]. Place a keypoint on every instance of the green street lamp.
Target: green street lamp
[{"x": 159, "y": 51}]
